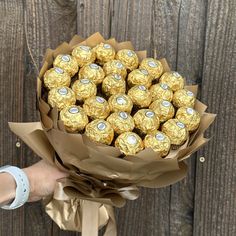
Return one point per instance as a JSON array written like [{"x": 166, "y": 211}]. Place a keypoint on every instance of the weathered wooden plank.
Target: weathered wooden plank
[
  {"x": 215, "y": 205},
  {"x": 11, "y": 71},
  {"x": 47, "y": 24}
]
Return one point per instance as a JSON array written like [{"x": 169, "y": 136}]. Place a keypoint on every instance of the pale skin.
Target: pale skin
[{"x": 42, "y": 177}]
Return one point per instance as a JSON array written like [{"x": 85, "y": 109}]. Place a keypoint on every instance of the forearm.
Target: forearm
[{"x": 7, "y": 188}]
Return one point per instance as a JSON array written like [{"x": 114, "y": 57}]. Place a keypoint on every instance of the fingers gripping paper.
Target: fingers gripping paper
[{"x": 99, "y": 179}]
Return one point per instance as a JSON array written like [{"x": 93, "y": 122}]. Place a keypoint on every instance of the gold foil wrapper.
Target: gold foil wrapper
[
  {"x": 96, "y": 107},
  {"x": 104, "y": 52},
  {"x": 176, "y": 131},
  {"x": 128, "y": 57},
  {"x": 93, "y": 72},
  {"x": 113, "y": 84},
  {"x": 56, "y": 77},
  {"x": 163, "y": 109},
  {"x": 61, "y": 97},
  {"x": 139, "y": 77},
  {"x": 100, "y": 131},
  {"x": 161, "y": 91},
  {"x": 121, "y": 122},
  {"x": 153, "y": 66},
  {"x": 184, "y": 98},
  {"x": 74, "y": 118},
  {"x": 140, "y": 96},
  {"x": 173, "y": 79},
  {"x": 146, "y": 121},
  {"x": 84, "y": 89},
  {"x": 190, "y": 117},
  {"x": 115, "y": 67},
  {"x": 129, "y": 143},
  {"x": 66, "y": 62},
  {"x": 159, "y": 142},
  {"x": 84, "y": 55},
  {"x": 120, "y": 102}
]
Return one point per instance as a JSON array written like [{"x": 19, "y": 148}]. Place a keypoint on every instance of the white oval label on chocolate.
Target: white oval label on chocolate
[
  {"x": 180, "y": 125},
  {"x": 74, "y": 110},
  {"x": 190, "y": 111},
  {"x": 144, "y": 71},
  {"x": 107, "y": 46},
  {"x": 101, "y": 126},
  {"x": 65, "y": 58},
  {"x": 100, "y": 99},
  {"x": 85, "y": 48},
  {"x": 189, "y": 93},
  {"x": 121, "y": 101},
  {"x": 63, "y": 91},
  {"x": 131, "y": 139},
  {"x": 176, "y": 74},
  {"x": 149, "y": 114},
  {"x": 164, "y": 86},
  {"x": 152, "y": 64},
  {"x": 117, "y": 77},
  {"x": 130, "y": 53},
  {"x": 119, "y": 65},
  {"x": 123, "y": 115},
  {"x": 142, "y": 87},
  {"x": 94, "y": 66},
  {"x": 165, "y": 103},
  {"x": 160, "y": 137},
  {"x": 84, "y": 81},
  {"x": 59, "y": 70}
]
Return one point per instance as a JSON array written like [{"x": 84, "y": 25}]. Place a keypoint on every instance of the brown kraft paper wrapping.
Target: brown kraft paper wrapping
[{"x": 99, "y": 179}]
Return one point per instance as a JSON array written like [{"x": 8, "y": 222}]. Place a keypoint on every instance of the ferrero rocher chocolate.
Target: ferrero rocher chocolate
[
  {"x": 184, "y": 98},
  {"x": 173, "y": 79},
  {"x": 56, "y": 77},
  {"x": 163, "y": 109},
  {"x": 74, "y": 118},
  {"x": 159, "y": 142},
  {"x": 66, "y": 62},
  {"x": 146, "y": 121},
  {"x": 84, "y": 88},
  {"x": 84, "y": 55},
  {"x": 176, "y": 131},
  {"x": 139, "y": 77},
  {"x": 190, "y": 117},
  {"x": 121, "y": 122},
  {"x": 104, "y": 53},
  {"x": 100, "y": 131},
  {"x": 93, "y": 72},
  {"x": 96, "y": 107},
  {"x": 129, "y": 143},
  {"x": 113, "y": 84},
  {"x": 115, "y": 67},
  {"x": 140, "y": 96},
  {"x": 61, "y": 97},
  {"x": 120, "y": 102},
  {"x": 161, "y": 91},
  {"x": 153, "y": 66},
  {"x": 128, "y": 57}
]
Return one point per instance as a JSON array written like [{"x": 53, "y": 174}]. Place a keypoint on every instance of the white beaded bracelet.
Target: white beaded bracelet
[{"x": 22, "y": 186}]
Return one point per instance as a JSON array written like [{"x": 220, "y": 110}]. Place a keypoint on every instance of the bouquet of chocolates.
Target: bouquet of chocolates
[{"x": 115, "y": 120}]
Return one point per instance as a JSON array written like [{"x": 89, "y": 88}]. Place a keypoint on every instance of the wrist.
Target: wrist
[{"x": 30, "y": 176}]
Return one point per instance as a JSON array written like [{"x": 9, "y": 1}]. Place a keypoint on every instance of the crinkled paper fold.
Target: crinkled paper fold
[{"x": 99, "y": 178}]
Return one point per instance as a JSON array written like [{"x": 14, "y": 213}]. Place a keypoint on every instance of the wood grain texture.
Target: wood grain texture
[
  {"x": 215, "y": 205},
  {"x": 11, "y": 98}
]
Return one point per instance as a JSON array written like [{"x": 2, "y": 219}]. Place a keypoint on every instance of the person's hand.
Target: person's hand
[{"x": 42, "y": 177}]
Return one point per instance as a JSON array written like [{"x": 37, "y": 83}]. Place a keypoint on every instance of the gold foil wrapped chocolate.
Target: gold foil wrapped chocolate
[
  {"x": 120, "y": 102},
  {"x": 184, "y": 98},
  {"x": 113, "y": 84},
  {"x": 93, "y": 72},
  {"x": 121, "y": 122},
  {"x": 163, "y": 109},
  {"x": 104, "y": 53},
  {"x": 139, "y": 77},
  {"x": 140, "y": 96},
  {"x": 84, "y": 88},
  {"x": 153, "y": 66},
  {"x": 96, "y": 107},
  {"x": 176, "y": 131},
  {"x": 161, "y": 91},
  {"x": 66, "y": 62},
  {"x": 159, "y": 142},
  {"x": 129, "y": 143},
  {"x": 84, "y": 55},
  {"x": 115, "y": 67},
  {"x": 56, "y": 77},
  {"x": 173, "y": 79},
  {"x": 100, "y": 131},
  {"x": 74, "y": 118},
  {"x": 146, "y": 121},
  {"x": 190, "y": 117},
  {"x": 128, "y": 57},
  {"x": 61, "y": 97}
]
